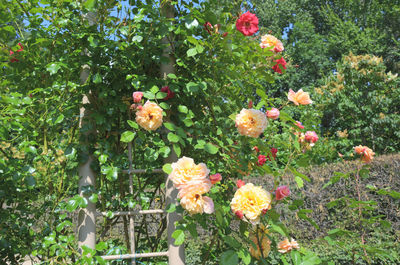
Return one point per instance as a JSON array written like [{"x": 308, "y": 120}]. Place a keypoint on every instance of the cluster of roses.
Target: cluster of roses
[
  {"x": 193, "y": 182},
  {"x": 248, "y": 204},
  {"x": 247, "y": 24},
  {"x": 249, "y": 201},
  {"x": 149, "y": 116}
]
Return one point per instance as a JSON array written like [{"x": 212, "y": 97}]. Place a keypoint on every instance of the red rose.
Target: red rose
[
  {"x": 250, "y": 105},
  {"x": 247, "y": 24},
  {"x": 12, "y": 60},
  {"x": 282, "y": 192},
  {"x": 264, "y": 211},
  {"x": 261, "y": 160},
  {"x": 239, "y": 214},
  {"x": 273, "y": 151},
  {"x": 240, "y": 183},
  {"x": 215, "y": 178},
  {"x": 208, "y": 27},
  {"x": 170, "y": 94},
  {"x": 281, "y": 62}
]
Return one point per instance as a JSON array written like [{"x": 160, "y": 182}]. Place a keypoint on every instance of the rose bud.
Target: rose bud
[{"x": 273, "y": 113}]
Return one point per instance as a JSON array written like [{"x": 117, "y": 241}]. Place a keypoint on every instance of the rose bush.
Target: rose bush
[{"x": 199, "y": 111}]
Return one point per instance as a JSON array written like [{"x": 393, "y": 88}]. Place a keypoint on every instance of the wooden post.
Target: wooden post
[
  {"x": 176, "y": 254},
  {"x": 86, "y": 216}
]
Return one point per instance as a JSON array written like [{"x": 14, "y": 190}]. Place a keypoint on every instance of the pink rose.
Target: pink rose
[
  {"x": 281, "y": 62},
  {"x": 282, "y": 192},
  {"x": 273, "y": 113},
  {"x": 311, "y": 137},
  {"x": 240, "y": 183},
  {"x": 261, "y": 160},
  {"x": 137, "y": 96},
  {"x": 215, "y": 178},
  {"x": 170, "y": 94},
  {"x": 247, "y": 24},
  {"x": 299, "y": 124}
]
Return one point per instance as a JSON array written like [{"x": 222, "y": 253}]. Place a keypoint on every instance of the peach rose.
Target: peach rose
[
  {"x": 286, "y": 246},
  {"x": 273, "y": 113},
  {"x": 199, "y": 186},
  {"x": 268, "y": 41},
  {"x": 185, "y": 171},
  {"x": 251, "y": 122},
  {"x": 300, "y": 97},
  {"x": 149, "y": 116},
  {"x": 196, "y": 203},
  {"x": 251, "y": 201},
  {"x": 367, "y": 153}
]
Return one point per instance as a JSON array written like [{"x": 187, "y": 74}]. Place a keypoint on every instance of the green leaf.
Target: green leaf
[
  {"x": 53, "y": 68},
  {"x": 278, "y": 229},
  {"x": 89, "y": 4},
  {"x": 364, "y": 173},
  {"x": 210, "y": 148},
  {"x": 59, "y": 119},
  {"x": 137, "y": 38},
  {"x": 167, "y": 168},
  {"x": 97, "y": 78},
  {"x": 299, "y": 182},
  {"x": 170, "y": 208},
  {"x": 296, "y": 173},
  {"x": 164, "y": 105},
  {"x": 179, "y": 237},
  {"x": 154, "y": 89},
  {"x": 169, "y": 126},
  {"x": 183, "y": 109},
  {"x": 231, "y": 241},
  {"x": 296, "y": 258},
  {"x": 133, "y": 124},
  {"x": 173, "y": 138},
  {"x": 229, "y": 258},
  {"x": 244, "y": 256},
  {"x": 310, "y": 259},
  {"x": 127, "y": 136},
  {"x": 177, "y": 149},
  {"x": 191, "y": 52},
  {"x": 101, "y": 246},
  {"x": 192, "y": 230},
  {"x": 172, "y": 76},
  {"x": 149, "y": 95}
]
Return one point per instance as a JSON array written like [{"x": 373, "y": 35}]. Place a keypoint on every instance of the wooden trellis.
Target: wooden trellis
[{"x": 133, "y": 255}]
